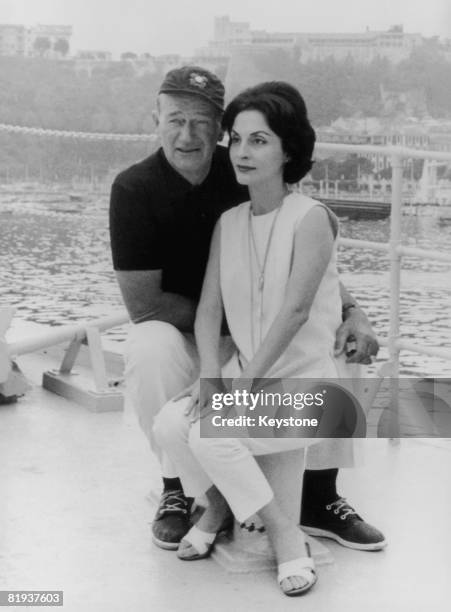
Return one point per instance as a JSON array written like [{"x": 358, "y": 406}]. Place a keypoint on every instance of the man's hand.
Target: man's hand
[
  {"x": 199, "y": 405},
  {"x": 192, "y": 410},
  {"x": 357, "y": 331}
]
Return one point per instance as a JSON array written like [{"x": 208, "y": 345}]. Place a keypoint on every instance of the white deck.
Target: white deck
[{"x": 75, "y": 516}]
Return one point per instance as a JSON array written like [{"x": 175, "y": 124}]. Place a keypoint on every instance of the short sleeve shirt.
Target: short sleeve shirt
[{"x": 160, "y": 221}]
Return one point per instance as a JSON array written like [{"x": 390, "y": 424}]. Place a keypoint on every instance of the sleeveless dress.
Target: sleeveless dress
[{"x": 250, "y": 313}]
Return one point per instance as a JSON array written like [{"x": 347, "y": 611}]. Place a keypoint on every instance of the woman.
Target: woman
[{"x": 272, "y": 271}]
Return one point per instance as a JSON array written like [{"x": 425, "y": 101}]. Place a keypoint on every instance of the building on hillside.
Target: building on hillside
[
  {"x": 440, "y": 135},
  {"x": 393, "y": 44},
  {"x": 49, "y": 41},
  {"x": 87, "y": 60},
  {"x": 94, "y": 55},
  {"x": 12, "y": 40},
  {"x": 373, "y": 131},
  {"x": 231, "y": 34},
  {"x": 445, "y": 49}
]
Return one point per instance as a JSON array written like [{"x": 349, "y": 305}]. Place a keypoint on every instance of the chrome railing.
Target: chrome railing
[{"x": 394, "y": 248}]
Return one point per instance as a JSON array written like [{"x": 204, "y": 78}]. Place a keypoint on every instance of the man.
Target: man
[{"x": 162, "y": 214}]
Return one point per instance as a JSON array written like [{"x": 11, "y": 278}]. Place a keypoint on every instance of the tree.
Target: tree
[
  {"x": 353, "y": 167},
  {"x": 386, "y": 173},
  {"x": 325, "y": 169},
  {"x": 61, "y": 46},
  {"x": 128, "y": 55},
  {"x": 41, "y": 45}
]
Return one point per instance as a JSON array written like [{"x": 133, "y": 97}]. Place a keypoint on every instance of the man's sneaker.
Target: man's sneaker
[
  {"x": 340, "y": 522},
  {"x": 171, "y": 521}
]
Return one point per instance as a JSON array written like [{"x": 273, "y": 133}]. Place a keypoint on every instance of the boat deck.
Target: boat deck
[{"x": 75, "y": 515}]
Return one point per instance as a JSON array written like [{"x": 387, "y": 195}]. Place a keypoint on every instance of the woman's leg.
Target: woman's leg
[
  {"x": 233, "y": 468},
  {"x": 288, "y": 542},
  {"x": 229, "y": 463}
]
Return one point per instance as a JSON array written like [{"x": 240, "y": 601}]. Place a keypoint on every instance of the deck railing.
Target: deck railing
[{"x": 393, "y": 248}]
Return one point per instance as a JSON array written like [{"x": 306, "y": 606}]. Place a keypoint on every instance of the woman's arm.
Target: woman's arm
[
  {"x": 209, "y": 314},
  {"x": 313, "y": 244}
]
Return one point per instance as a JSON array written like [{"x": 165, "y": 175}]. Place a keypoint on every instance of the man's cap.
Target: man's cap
[{"x": 195, "y": 81}]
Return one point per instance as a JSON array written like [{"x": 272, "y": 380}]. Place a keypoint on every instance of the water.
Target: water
[
  {"x": 425, "y": 308},
  {"x": 55, "y": 268}
]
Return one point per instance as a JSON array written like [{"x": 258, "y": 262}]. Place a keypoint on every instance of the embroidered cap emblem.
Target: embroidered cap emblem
[{"x": 198, "y": 80}]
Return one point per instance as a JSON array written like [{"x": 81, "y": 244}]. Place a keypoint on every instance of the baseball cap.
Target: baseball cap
[{"x": 196, "y": 81}]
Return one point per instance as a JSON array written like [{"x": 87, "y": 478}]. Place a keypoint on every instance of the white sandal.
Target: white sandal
[
  {"x": 201, "y": 542},
  {"x": 304, "y": 567}
]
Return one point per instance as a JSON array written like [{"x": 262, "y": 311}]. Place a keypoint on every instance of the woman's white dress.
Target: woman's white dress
[{"x": 250, "y": 314}]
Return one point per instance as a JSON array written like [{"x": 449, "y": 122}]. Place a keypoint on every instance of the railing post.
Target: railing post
[
  {"x": 97, "y": 358},
  {"x": 12, "y": 381},
  {"x": 395, "y": 287},
  {"x": 395, "y": 260},
  {"x": 6, "y": 315}
]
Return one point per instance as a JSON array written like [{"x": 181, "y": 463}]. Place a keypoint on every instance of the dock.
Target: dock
[{"x": 357, "y": 208}]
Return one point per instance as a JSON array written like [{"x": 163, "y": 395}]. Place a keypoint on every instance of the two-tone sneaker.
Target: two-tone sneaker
[{"x": 340, "y": 522}]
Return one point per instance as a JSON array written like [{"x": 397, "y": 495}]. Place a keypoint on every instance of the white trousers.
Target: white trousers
[
  {"x": 160, "y": 362},
  {"x": 227, "y": 463}
]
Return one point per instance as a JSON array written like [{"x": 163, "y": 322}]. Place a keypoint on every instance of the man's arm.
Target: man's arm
[
  {"x": 136, "y": 241},
  {"x": 145, "y": 300},
  {"x": 355, "y": 328}
]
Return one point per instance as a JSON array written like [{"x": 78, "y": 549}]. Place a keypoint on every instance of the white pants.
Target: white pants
[
  {"x": 227, "y": 463},
  {"x": 160, "y": 362}
]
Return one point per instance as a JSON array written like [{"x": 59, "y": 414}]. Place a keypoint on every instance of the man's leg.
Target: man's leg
[
  {"x": 324, "y": 512},
  {"x": 161, "y": 362}
]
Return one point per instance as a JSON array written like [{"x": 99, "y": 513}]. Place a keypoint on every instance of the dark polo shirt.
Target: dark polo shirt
[{"x": 159, "y": 221}]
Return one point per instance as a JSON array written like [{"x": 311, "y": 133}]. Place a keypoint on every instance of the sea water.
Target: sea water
[{"x": 55, "y": 269}]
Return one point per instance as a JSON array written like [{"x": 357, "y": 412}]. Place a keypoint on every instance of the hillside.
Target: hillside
[{"x": 114, "y": 98}]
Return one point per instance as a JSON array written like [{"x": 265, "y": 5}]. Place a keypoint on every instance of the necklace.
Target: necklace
[
  {"x": 261, "y": 266},
  {"x": 261, "y": 269}
]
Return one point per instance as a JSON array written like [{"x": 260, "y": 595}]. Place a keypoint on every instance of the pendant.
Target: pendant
[{"x": 261, "y": 282}]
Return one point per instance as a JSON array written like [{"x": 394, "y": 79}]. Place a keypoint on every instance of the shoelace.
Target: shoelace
[
  {"x": 341, "y": 506},
  {"x": 174, "y": 501}
]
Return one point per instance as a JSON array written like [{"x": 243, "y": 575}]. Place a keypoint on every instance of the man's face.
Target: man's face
[{"x": 189, "y": 128}]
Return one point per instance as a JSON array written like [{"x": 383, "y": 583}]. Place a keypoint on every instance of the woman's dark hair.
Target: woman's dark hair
[{"x": 286, "y": 114}]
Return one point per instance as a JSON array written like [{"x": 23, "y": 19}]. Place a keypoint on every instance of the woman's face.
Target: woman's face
[{"x": 255, "y": 150}]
